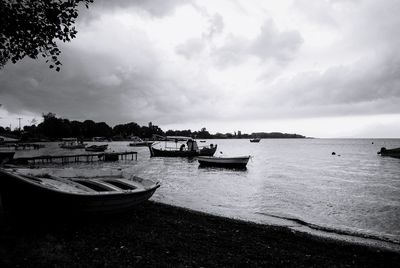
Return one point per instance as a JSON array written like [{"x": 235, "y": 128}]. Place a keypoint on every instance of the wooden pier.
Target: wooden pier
[{"x": 67, "y": 159}]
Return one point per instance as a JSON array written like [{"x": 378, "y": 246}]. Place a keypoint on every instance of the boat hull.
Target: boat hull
[
  {"x": 96, "y": 148},
  {"x": 20, "y": 196},
  {"x": 183, "y": 153},
  {"x": 140, "y": 144},
  {"x": 390, "y": 152},
  {"x": 72, "y": 147},
  {"x": 6, "y": 157},
  {"x": 227, "y": 162}
]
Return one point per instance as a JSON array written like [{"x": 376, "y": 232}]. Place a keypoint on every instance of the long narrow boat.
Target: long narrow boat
[
  {"x": 228, "y": 162},
  {"x": 183, "y": 153},
  {"x": 36, "y": 193},
  {"x": 180, "y": 149},
  {"x": 390, "y": 152},
  {"x": 6, "y": 157}
]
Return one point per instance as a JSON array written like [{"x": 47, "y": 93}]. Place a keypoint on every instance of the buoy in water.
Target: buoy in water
[{"x": 333, "y": 153}]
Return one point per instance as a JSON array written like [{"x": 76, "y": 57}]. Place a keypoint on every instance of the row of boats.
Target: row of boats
[
  {"x": 73, "y": 143},
  {"x": 34, "y": 191},
  {"x": 178, "y": 146}
]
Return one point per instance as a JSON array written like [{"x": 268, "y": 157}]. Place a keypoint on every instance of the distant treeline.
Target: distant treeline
[{"x": 54, "y": 128}]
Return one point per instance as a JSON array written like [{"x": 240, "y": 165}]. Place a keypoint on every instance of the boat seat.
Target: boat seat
[{"x": 72, "y": 183}]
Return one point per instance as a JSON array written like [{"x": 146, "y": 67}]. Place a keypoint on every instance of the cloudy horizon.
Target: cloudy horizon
[{"x": 317, "y": 68}]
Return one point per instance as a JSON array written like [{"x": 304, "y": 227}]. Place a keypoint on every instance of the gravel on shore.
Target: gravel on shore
[{"x": 156, "y": 234}]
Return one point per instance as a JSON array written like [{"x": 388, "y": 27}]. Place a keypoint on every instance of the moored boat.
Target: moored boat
[
  {"x": 136, "y": 142},
  {"x": 30, "y": 192},
  {"x": 228, "y": 162},
  {"x": 255, "y": 140},
  {"x": 390, "y": 152},
  {"x": 72, "y": 143},
  {"x": 96, "y": 148},
  {"x": 181, "y": 149}
]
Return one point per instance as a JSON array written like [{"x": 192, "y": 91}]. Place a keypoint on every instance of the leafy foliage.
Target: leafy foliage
[{"x": 31, "y": 28}]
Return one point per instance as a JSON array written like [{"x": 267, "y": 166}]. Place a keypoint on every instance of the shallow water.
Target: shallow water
[{"x": 293, "y": 182}]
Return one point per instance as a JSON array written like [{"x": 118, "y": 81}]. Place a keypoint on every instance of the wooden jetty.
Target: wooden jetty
[
  {"x": 23, "y": 146},
  {"x": 75, "y": 158}
]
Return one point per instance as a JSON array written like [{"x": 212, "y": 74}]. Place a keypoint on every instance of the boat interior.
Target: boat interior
[{"x": 84, "y": 185}]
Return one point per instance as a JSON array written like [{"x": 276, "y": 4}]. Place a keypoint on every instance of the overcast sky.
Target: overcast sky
[{"x": 318, "y": 68}]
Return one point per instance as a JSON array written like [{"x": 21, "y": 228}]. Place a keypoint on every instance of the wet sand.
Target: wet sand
[{"x": 161, "y": 235}]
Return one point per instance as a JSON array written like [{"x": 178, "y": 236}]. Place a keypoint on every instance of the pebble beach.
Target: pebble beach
[{"x": 156, "y": 234}]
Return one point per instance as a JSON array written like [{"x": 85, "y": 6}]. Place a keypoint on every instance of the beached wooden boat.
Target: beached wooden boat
[
  {"x": 22, "y": 191},
  {"x": 6, "y": 156},
  {"x": 390, "y": 152},
  {"x": 228, "y": 162},
  {"x": 179, "y": 149},
  {"x": 96, "y": 148},
  {"x": 255, "y": 140}
]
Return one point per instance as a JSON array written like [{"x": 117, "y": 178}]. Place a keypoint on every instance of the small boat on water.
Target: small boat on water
[
  {"x": 136, "y": 142},
  {"x": 175, "y": 146},
  {"x": 31, "y": 192},
  {"x": 72, "y": 143},
  {"x": 96, "y": 148},
  {"x": 390, "y": 152},
  {"x": 255, "y": 140},
  {"x": 227, "y": 162}
]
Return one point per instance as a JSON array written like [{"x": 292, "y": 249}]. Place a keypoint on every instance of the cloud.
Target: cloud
[
  {"x": 173, "y": 61},
  {"x": 119, "y": 78},
  {"x": 272, "y": 44},
  {"x": 191, "y": 48},
  {"x": 269, "y": 45},
  {"x": 368, "y": 86},
  {"x": 156, "y": 8},
  {"x": 196, "y": 46}
]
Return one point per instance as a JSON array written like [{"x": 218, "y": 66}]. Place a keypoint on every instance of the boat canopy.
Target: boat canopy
[{"x": 178, "y": 138}]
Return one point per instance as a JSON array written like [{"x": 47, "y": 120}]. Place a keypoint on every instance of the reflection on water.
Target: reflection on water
[{"x": 354, "y": 191}]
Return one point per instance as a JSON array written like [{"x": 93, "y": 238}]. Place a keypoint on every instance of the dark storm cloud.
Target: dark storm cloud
[
  {"x": 369, "y": 86},
  {"x": 101, "y": 87},
  {"x": 117, "y": 71}
]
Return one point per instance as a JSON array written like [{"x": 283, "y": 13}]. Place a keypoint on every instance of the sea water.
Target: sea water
[{"x": 297, "y": 183}]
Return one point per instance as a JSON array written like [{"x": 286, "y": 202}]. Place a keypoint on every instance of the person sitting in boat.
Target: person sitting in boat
[
  {"x": 192, "y": 145},
  {"x": 182, "y": 147}
]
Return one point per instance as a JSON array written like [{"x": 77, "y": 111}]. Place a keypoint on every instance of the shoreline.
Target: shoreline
[{"x": 157, "y": 234}]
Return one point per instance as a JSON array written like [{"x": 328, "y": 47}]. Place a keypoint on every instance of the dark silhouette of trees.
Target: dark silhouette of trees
[
  {"x": 202, "y": 134},
  {"x": 276, "y": 135},
  {"x": 185, "y": 133},
  {"x": 126, "y": 130},
  {"x": 31, "y": 28},
  {"x": 54, "y": 128}
]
